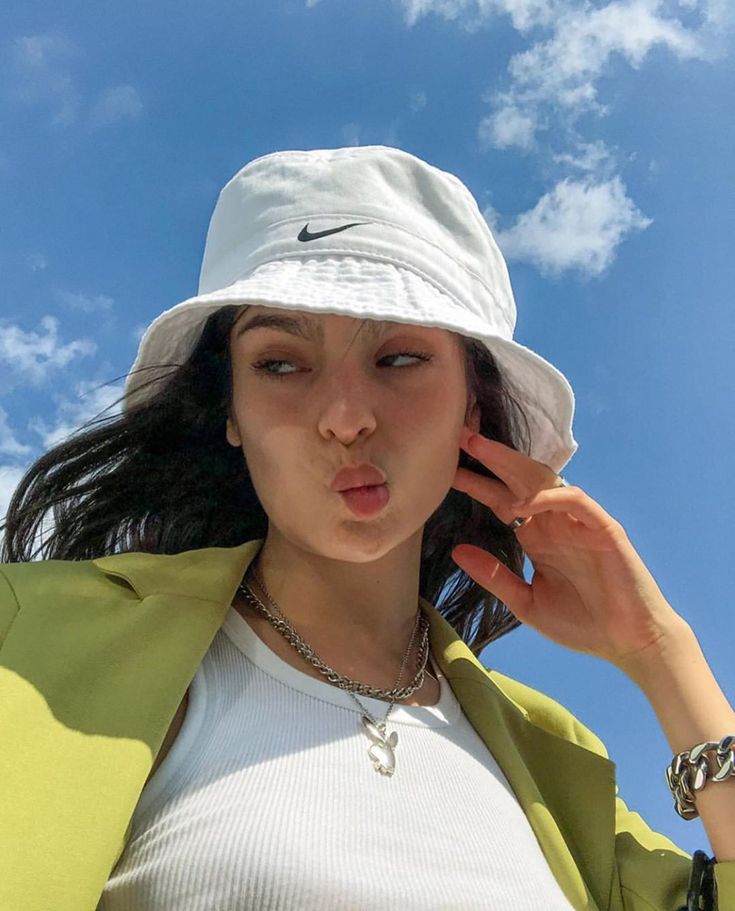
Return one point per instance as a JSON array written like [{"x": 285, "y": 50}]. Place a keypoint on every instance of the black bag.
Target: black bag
[{"x": 702, "y": 892}]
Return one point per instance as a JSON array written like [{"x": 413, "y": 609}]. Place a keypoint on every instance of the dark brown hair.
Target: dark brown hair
[{"x": 162, "y": 478}]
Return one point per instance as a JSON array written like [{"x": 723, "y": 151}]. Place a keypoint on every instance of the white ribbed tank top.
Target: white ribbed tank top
[{"x": 268, "y": 800}]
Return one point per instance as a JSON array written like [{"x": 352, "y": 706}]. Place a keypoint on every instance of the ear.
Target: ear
[
  {"x": 233, "y": 433},
  {"x": 473, "y": 418}
]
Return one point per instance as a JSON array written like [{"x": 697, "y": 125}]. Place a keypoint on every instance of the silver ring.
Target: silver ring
[{"x": 520, "y": 520}]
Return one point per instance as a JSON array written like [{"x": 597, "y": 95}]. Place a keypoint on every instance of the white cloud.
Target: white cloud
[
  {"x": 11, "y": 472},
  {"x": 137, "y": 332},
  {"x": 561, "y": 74},
  {"x": 473, "y": 14},
  {"x": 592, "y": 157},
  {"x": 10, "y": 475},
  {"x": 560, "y": 70},
  {"x": 572, "y": 45},
  {"x": 38, "y": 51},
  {"x": 9, "y": 445},
  {"x": 35, "y": 354},
  {"x": 71, "y": 413},
  {"x": 36, "y": 262},
  {"x": 119, "y": 103},
  {"x": 415, "y": 9},
  {"x": 577, "y": 225},
  {"x": 350, "y": 133},
  {"x": 90, "y": 400},
  {"x": 37, "y": 73},
  {"x": 39, "y": 70},
  {"x": 563, "y": 69},
  {"x": 87, "y": 303},
  {"x": 508, "y": 127},
  {"x": 355, "y": 134},
  {"x": 492, "y": 217},
  {"x": 718, "y": 12},
  {"x": 417, "y": 101}
]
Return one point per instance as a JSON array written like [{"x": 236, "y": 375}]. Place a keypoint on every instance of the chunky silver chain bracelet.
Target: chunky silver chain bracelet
[{"x": 690, "y": 771}]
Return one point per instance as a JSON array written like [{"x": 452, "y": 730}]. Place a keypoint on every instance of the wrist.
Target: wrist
[
  {"x": 676, "y": 645},
  {"x": 682, "y": 690}
]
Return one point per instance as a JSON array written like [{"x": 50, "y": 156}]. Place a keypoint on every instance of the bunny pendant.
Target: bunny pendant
[{"x": 381, "y": 751}]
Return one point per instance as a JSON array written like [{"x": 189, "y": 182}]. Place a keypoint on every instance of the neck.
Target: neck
[{"x": 353, "y": 611}]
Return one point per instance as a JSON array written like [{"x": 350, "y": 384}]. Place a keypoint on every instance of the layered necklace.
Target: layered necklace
[{"x": 382, "y": 747}]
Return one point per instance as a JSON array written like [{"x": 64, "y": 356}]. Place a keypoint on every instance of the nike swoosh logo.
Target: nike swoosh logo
[{"x": 305, "y": 235}]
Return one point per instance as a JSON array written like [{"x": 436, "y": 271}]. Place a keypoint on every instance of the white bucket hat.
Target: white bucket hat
[{"x": 368, "y": 232}]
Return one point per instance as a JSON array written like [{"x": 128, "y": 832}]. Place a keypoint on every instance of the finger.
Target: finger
[
  {"x": 495, "y": 577},
  {"x": 488, "y": 491},
  {"x": 522, "y": 474},
  {"x": 570, "y": 499}
]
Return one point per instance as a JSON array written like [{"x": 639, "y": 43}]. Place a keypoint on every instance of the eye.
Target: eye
[
  {"x": 415, "y": 354},
  {"x": 262, "y": 368},
  {"x": 263, "y": 365}
]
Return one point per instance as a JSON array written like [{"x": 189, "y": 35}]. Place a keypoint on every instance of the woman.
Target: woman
[{"x": 227, "y": 685}]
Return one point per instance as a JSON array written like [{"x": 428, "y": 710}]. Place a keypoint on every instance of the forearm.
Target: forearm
[{"x": 691, "y": 708}]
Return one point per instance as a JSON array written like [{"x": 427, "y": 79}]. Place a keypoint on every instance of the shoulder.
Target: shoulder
[
  {"x": 44, "y": 572},
  {"x": 25, "y": 582},
  {"x": 545, "y": 712},
  {"x": 24, "y": 586},
  {"x": 209, "y": 573}
]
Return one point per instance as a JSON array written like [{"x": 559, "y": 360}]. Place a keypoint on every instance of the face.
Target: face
[{"x": 391, "y": 394}]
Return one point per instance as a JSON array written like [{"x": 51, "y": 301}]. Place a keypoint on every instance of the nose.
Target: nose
[{"x": 347, "y": 414}]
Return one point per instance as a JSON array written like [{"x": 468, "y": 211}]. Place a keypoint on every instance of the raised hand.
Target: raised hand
[{"x": 590, "y": 589}]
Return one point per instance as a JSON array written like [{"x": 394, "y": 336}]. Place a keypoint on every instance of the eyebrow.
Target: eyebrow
[{"x": 301, "y": 326}]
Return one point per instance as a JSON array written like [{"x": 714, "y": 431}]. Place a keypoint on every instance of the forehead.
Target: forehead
[{"x": 311, "y": 325}]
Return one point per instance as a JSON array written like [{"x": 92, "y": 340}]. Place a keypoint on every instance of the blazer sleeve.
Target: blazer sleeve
[
  {"x": 8, "y": 606},
  {"x": 652, "y": 872}
]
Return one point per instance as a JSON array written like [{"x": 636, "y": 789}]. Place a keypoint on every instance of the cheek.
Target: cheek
[
  {"x": 431, "y": 434},
  {"x": 435, "y": 413},
  {"x": 423, "y": 448},
  {"x": 294, "y": 498}
]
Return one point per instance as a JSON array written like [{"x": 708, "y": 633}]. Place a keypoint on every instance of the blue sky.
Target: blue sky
[{"x": 599, "y": 141}]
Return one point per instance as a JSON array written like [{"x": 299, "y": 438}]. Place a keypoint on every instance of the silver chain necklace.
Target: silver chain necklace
[{"x": 382, "y": 748}]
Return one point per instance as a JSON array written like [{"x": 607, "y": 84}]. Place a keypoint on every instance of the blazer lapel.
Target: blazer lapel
[{"x": 567, "y": 792}]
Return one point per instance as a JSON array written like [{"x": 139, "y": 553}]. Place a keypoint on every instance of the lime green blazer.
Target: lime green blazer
[{"x": 95, "y": 657}]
